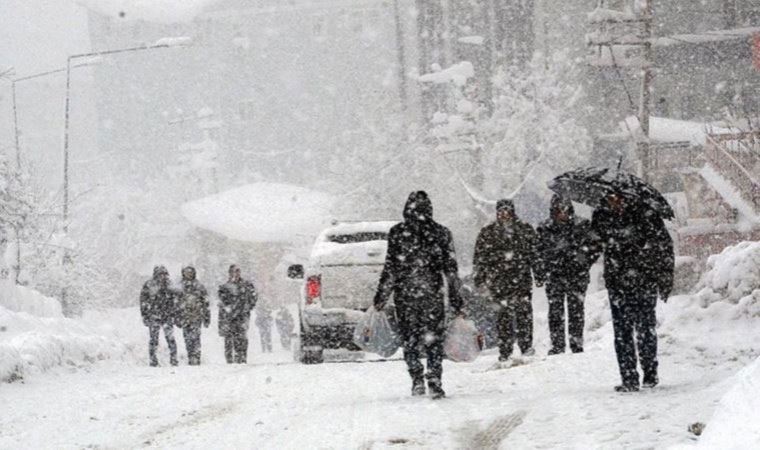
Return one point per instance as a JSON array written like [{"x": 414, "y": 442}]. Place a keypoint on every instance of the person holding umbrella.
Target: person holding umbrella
[{"x": 638, "y": 261}]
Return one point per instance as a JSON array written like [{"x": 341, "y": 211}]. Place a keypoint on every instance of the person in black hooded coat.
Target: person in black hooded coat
[
  {"x": 638, "y": 266},
  {"x": 420, "y": 255},
  {"x": 157, "y": 309},
  {"x": 567, "y": 251}
]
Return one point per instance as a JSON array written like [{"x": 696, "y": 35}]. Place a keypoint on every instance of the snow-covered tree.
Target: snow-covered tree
[{"x": 532, "y": 134}]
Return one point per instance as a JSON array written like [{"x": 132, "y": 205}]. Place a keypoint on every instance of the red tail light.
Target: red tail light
[{"x": 313, "y": 288}]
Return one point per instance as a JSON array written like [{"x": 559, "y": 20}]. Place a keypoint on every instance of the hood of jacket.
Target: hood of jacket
[{"x": 418, "y": 208}]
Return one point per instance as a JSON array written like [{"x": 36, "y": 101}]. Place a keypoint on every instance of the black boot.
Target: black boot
[
  {"x": 418, "y": 387},
  {"x": 436, "y": 389},
  {"x": 650, "y": 381},
  {"x": 627, "y": 388}
]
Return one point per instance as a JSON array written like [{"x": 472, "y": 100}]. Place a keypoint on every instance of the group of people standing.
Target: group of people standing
[
  {"x": 510, "y": 257},
  {"x": 186, "y": 305}
]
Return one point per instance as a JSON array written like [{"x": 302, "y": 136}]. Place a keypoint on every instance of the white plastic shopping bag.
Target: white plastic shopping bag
[
  {"x": 375, "y": 334},
  {"x": 463, "y": 341}
]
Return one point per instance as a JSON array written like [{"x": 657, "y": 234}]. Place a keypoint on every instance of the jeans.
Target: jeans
[
  {"x": 515, "y": 323},
  {"x": 573, "y": 293},
  {"x": 634, "y": 320},
  {"x": 154, "y": 329}
]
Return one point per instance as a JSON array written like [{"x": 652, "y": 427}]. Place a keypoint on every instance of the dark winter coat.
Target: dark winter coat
[
  {"x": 505, "y": 257},
  {"x": 420, "y": 255},
  {"x": 236, "y": 300},
  {"x": 567, "y": 250},
  {"x": 284, "y": 322},
  {"x": 157, "y": 299},
  {"x": 638, "y": 251},
  {"x": 192, "y": 303}
]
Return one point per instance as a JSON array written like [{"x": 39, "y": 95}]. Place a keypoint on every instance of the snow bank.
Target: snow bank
[
  {"x": 735, "y": 422},
  {"x": 262, "y": 212},
  {"x": 30, "y": 344},
  {"x": 733, "y": 276},
  {"x": 160, "y": 11},
  {"x": 22, "y": 299}
]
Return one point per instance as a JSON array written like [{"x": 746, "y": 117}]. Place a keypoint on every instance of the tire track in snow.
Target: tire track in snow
[{"x": 493, "y": 435}]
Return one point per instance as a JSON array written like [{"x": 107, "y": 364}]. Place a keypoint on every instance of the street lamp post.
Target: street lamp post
[{"x": 162, "y": 43}]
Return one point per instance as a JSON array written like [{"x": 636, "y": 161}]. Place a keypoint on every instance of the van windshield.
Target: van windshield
[{"x": 354, "y": 238}]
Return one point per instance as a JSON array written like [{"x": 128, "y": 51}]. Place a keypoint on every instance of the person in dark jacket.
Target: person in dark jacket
[
  {"x": 420, "y": 256},
  {"x": 504, "y": 261},
  {"x": 638, "y": 266},
  {"x": 157, "y": 310},
  {"x": 237, "y": 297},
  {"x": 192, "y": 313},
  {"x": 264, "y": 324},
  {"x": 285, "y": 324},
  {"x": 567, "y": 250}
]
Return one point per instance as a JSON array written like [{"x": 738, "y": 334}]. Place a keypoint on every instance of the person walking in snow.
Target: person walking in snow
[
  {"x": 237, "y": 297},
  {"x": 264, "y": 324},
  {"x": 638, "y": 266},
  {"x": 192, "y": 313},
  {"x": 157, "y": 309},
  {"x": 505, "y": 258},
  {"x": 420, "y": 255},
  {"x": 285, "y": 324},
  {"x": 567, "y": 251}
]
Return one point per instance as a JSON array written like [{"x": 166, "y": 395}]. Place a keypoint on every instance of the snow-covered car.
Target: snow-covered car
[{"x": 339, "y": 283}]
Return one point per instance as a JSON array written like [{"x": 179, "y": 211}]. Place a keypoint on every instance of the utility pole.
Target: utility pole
[{"x": 647, "y": 76}]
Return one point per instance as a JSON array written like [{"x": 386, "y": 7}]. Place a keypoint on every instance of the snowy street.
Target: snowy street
[{"x": 564, "y": 401}]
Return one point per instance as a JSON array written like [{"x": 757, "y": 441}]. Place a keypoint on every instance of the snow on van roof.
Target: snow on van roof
[
  {"x": 379, "y": 226},
  {"x": 262, "y": 212}
]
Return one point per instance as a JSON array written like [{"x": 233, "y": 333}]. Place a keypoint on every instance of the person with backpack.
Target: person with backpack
[
  {"x": 192, "y": 313},
  {"x": 237, "y": 298},
  {"x": 420, "y": 256},
  {"x": 157, "y": 311}
]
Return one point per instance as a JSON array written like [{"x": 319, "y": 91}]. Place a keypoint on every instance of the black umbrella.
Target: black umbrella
[{"x": 591, "y": 185}]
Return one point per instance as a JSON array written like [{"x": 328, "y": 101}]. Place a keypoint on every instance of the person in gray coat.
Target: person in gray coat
[{"x": 192, "y": 313}]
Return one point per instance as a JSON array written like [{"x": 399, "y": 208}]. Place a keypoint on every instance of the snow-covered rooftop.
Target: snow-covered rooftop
[
  {"x": 662, "y": 129},
  {"x": 709, "y": 36},
  {"x": 262, "y": 212}
]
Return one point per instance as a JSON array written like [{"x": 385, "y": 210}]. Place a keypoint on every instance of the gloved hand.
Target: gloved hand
[{"x": 664, "y": 295}]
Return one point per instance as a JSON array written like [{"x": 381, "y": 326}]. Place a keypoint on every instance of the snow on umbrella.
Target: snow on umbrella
[{"x": 591, "y": 185}]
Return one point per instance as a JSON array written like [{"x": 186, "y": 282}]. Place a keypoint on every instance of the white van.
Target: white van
[{"x": 340, "y": 281}]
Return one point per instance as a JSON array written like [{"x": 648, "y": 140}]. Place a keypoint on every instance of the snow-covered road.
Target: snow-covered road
[{"x": 560, "y": 402}]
